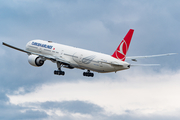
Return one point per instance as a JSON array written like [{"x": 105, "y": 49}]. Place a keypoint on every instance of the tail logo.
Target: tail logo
[{"x": 121, "y": 51}]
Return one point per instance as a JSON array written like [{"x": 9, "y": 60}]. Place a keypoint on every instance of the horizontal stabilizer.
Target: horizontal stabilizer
[
  {"x": 145, "y": 65},
  {"x": 134, "y": 58}
]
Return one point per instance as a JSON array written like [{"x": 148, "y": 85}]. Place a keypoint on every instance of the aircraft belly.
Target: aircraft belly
[{"x": 91, "y": 62}]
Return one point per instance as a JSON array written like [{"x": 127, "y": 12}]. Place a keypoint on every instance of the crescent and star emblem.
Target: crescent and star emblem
[{"x": 122, "y": 49}]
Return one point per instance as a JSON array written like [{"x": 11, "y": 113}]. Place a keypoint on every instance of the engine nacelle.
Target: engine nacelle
[{"x": 35, "y": 60}]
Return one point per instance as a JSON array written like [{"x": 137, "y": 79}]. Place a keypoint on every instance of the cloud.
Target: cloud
[
  {"x": 147, "y": 93},
  {"x": 9, "y": 111},
  {"x": 73, "y": 107},
  {"x": 142, "y": 93}
]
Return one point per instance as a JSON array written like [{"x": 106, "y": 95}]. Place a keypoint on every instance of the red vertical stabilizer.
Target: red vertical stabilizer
[{"x": 123, "y": 47}]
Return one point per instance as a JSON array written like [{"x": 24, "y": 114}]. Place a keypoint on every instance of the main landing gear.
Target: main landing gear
[
  {"x": 59, "y": 71},
  {"x": 88, "y": 74}
]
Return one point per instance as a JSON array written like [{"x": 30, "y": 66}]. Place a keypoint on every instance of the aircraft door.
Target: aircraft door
[{"x": 61, "y": 53}]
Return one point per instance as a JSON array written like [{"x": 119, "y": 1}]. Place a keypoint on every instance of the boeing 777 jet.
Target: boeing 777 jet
[{"x": 70, "y": 57}]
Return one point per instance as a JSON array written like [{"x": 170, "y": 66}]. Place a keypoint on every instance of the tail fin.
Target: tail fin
[{"x": 123, "y": 47}]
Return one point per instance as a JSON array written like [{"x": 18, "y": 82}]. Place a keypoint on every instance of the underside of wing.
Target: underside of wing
[
  {"x": 52, "y": 58},
  {"x": 134, "y": 58}
]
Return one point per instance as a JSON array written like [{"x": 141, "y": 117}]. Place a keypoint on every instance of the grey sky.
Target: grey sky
[{"x": 93, "y": 25}]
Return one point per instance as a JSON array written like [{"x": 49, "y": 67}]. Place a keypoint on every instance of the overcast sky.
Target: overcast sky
[{"x": 140, "y": 93}]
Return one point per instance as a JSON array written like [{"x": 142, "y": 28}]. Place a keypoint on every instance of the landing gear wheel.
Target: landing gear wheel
[
  {"x": 88, "y": 74},
  {"x": 62, "y": 73},
  {"x": 59, "y": 72}
]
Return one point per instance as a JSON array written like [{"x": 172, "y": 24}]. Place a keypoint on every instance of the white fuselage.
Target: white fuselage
[{"x": 78, "y": 58}]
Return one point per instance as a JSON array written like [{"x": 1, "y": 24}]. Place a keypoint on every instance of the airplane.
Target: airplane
[{"x": 71, "y": 57}]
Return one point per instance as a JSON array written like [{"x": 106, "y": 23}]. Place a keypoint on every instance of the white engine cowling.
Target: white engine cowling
[{"x": 35, "y": 60}]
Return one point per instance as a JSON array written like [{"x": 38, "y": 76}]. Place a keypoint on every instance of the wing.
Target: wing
[
  {"x": 134, "y": 58},
  {"x": 16, "y": 48},
  {"x": 49, "y": 57}
]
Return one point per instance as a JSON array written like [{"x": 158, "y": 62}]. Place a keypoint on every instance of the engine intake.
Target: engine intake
[{"x": 35, "y": 60}]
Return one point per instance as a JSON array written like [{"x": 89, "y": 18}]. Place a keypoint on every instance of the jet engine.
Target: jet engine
[{"x": 35, "y": 60}]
